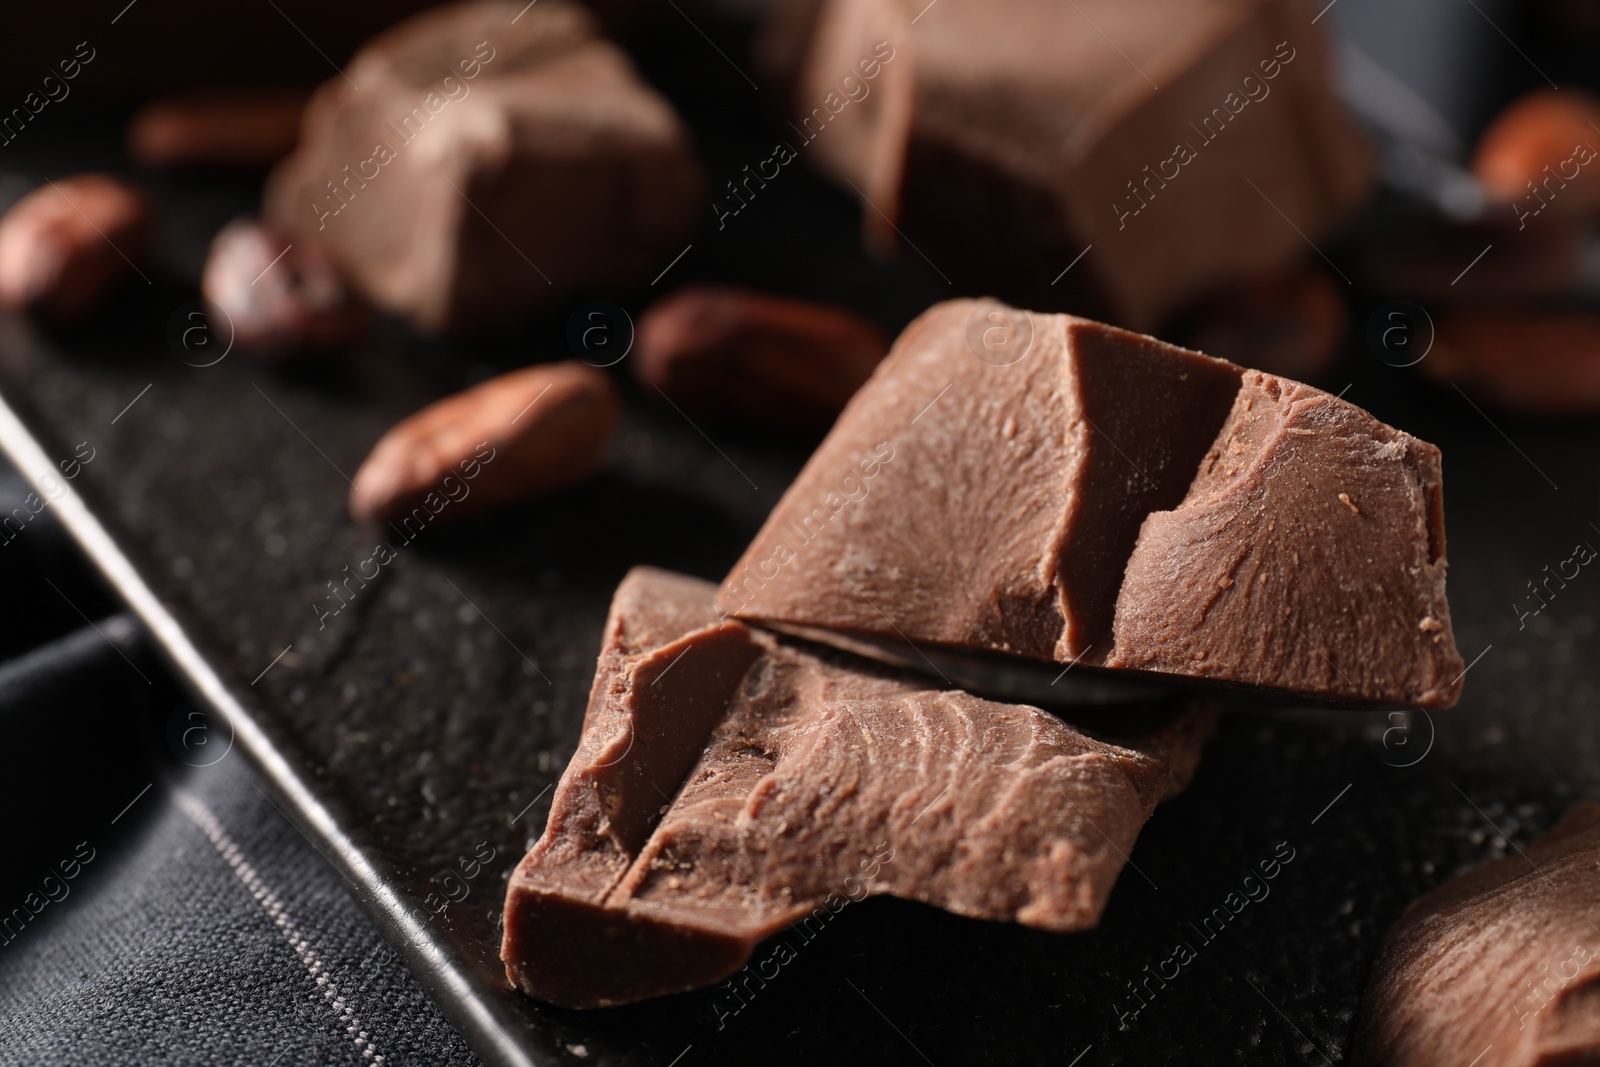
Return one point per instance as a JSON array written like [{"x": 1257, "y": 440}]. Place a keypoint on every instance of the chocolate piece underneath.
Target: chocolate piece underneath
[
  {"x": 1506, "y": 955},
  {"x": 728, "y": 783}
]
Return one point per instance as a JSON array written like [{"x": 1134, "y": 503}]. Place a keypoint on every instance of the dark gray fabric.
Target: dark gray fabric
[{"x": 212, "y": 934}]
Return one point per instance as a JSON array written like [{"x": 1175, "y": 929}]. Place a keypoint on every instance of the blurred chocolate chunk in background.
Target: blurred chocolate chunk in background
[
  {"x": 491, "y": 164},
  {"x": 1176, "y": 145}
]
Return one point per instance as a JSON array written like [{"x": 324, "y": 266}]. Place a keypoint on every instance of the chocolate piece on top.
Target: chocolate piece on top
[
  {"x": 990, "y": 496},
  {"x": 1308, "y": 556},
  {"x": 976, "y": 502}
]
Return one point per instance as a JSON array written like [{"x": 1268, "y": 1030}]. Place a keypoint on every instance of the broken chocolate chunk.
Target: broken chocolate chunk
[
  {"x": 493, "y": 162},
  {"x": 972, "y": 501},
  {"x": 988, "y": 487},
  {"x": 1173, "y": 145},
  {"x": 1308, "y": 556},
  {"x": 728, "y": 783},
  {"x": 1506, "y": 956}
]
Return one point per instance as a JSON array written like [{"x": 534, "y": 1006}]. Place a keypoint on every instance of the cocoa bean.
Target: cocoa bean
[
  {"x": 282, "y": 299},
  {"x": 65, "y": 246},
  {"x": 514, "y": 438},
  {"x": 732, "y": 356}
]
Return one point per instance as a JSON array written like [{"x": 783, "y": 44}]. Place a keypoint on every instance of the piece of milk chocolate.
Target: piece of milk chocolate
[
  {"x": 1506, "y": 957},
  {"x": 1174, "y": 144},
  {"x": 496, "y": 159},
  {"x": 1308, "y": 556},
  {"x": 728, "y": 783},
  {"x": 990, "y": 497}
]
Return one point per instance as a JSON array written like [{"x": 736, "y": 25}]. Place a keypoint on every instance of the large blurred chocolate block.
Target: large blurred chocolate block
[
  {"x": 990, "y": 497},
  {"x": 1184, "y": 143},
  {"x": 487, "y": 160},
  {"x": 730, "y": 786}
]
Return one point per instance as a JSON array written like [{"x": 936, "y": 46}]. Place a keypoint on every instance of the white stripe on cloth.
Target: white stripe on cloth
[{"x": 209, "y": 825}]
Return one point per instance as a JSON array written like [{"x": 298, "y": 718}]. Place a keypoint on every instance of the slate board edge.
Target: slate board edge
[{"x": 494, "y": 1026}]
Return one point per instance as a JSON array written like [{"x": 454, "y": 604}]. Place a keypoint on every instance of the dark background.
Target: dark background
[{"x": 418, "y": 724}]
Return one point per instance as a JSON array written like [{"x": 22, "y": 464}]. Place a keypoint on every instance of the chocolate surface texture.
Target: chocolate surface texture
[
  {"x": 1089, "y": 495},
  {"x": 728, "y": 783},
  {"x": 487, "y": 168},
  {"x": 1006, "y": 137},
  {"x": 1502, "y": 959}
]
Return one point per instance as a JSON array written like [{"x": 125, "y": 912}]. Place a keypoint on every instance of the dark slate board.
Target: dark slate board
[
  {"x": 434, "y": 709},
  {"x": 423, "y": 726}
]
